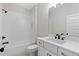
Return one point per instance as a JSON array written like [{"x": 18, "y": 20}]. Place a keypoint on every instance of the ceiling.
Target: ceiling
[{"x": 26, "y": 5}]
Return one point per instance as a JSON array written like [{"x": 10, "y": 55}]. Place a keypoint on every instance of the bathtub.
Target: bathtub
[{"x": 16, "y": 50}]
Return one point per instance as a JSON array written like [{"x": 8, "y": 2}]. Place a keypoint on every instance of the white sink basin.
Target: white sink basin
[{"x": 57, "y": 41}]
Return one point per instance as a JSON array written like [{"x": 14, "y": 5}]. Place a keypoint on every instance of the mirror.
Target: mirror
[{"x": 58, "y": 17}]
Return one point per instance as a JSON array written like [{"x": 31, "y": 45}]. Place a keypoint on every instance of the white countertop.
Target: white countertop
[{"x": 68, "y": 44}]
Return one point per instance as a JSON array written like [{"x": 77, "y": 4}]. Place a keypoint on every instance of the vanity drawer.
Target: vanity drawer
[
  {"x": 64, "y": 52},
  {"x": 52, "y": 48},
  {"x": 40, "y": 42}
]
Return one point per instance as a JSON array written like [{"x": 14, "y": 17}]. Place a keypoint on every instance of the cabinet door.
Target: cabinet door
[
  {"x": 41, "y": 51},
  {"x": 64, "y": 52},
  {"x": 44, "y": 52},
  {"x": 50, "y": 47}
]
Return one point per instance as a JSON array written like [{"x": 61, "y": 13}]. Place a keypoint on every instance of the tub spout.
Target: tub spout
[{"x": 2, "y": 49}]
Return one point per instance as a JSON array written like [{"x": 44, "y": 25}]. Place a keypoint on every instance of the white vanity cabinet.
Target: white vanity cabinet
[
  {"x": 41, "y": 51},
  {"x": 45, "y": 48},
  {"x": 64, "y": 52},
  {"x": 49, "y": 49}
]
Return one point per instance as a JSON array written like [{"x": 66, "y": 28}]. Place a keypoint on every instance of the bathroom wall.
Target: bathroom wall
[
  {"x": 33, "y": 13},
  {"x": 42, "y": 19},
  {"x": 51, "y": 20},
  {"x": 57, "y": 16},
  {"x": 0, "y": 21},
  {"x": 39, "y": 15},
  {"x": 16, "y": 25}
]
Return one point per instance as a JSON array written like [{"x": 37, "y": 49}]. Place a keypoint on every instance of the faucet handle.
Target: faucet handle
[
  {"x": 62, "y": 38},
  {"x": 58, "y": 36},
  {"x": 66, "y": 33}
]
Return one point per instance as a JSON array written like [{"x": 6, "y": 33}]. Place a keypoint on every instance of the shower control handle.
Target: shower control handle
[
  {"x": 5, "y": 43},
  {"x": 3, "y": 37}
]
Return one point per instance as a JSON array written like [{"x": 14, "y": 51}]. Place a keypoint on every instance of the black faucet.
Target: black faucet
[{"x": 58, "y": 36}]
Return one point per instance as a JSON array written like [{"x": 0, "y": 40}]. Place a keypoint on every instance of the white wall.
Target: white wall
[
  {"x": 58, "y": 16},
  {"x": 51, "y": 20},
  {"x": 39, "y": 15},
  {"x": 0, "y": 22},
  {"x": 33, "y": 13},
  {"x": 16, "y": 25},
  {"x": 42, "y": 19}
]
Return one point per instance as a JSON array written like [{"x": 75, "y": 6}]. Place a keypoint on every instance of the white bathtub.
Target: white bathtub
[{"x": 18, "y": 50}]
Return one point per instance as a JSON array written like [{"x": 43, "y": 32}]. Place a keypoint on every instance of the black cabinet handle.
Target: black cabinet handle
[
  {"x": 48, "y": 54},
  {"x": 63, "y": 54},
  {"x": 40, "y": 43}
]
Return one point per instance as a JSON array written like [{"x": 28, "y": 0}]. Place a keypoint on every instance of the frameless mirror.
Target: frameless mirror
[{"x": 58, "y": 17}]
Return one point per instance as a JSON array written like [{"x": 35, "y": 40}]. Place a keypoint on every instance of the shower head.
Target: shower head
[{"x": 5, "y": 11}]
